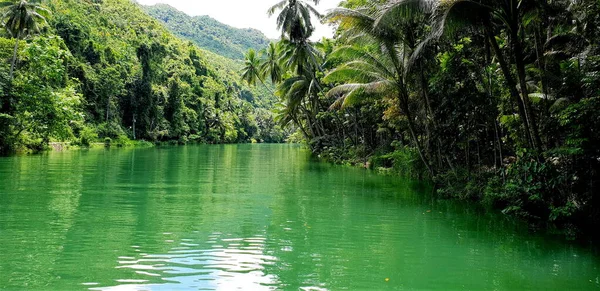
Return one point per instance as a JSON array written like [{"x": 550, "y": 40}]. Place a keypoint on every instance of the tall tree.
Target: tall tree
[
  {"x": 294, "y": 19},
  {"x": 251, "y": 72},
  {"x": 299, "y": 56},
  {"x": 22, "y": 19},
  {"x": 379, "y": 71},
  {"x": 271, "y": 66}
]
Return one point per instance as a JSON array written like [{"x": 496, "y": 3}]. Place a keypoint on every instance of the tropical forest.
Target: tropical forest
[{"x": 421, "y": 145}]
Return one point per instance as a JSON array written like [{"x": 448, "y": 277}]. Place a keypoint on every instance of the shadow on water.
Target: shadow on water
[{"x": 257, "y": 217}]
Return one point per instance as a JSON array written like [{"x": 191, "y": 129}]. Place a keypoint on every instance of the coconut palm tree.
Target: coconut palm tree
[
  {"x": 294, "y": 19},
  {"x": 376, "y": 71},
  {"x": 300, "y": 93},
  {"x": 271, "y": 65},
  {"x": 22, "y": 19},
  {"x": 300, "y": 58},
  {"x": 251, "y": 72}
]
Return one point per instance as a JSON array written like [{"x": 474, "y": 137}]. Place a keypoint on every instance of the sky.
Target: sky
[{"x": 244, "y": 13}]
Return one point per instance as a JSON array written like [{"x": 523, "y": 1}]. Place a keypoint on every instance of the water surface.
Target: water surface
[{"x": 256, "y": 217}]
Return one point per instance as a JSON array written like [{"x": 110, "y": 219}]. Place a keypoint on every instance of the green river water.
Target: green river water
[{"x": 256, "y": 217}]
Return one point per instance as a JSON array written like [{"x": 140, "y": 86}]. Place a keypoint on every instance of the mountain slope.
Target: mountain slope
[
  {"x": 209, "y": 33},
  {"x": 105, "y": 70}
]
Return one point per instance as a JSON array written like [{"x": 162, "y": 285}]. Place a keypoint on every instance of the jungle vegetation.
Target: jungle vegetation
[
  {"x": 104, "y": 71},
  {"x": 494, "y": 100}
]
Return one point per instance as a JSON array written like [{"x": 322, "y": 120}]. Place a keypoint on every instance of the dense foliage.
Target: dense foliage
[
  {"x": 208, "y": 33},
  {"x": 496, "y": 101},
  {"x": 103, "y": 70}
]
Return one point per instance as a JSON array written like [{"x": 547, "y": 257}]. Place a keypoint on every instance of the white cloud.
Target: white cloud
[{"x": 243, "y": 13}]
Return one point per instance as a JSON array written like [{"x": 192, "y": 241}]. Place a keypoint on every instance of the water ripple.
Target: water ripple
[{"x": 238, "y": 263}]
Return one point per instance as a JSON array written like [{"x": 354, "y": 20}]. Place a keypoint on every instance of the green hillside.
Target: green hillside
[
  {"x": 104, "y": 70},
  {"x": 209, "y": 33}
]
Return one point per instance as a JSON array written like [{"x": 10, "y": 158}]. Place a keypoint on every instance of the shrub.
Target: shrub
[
  {"x": 195, "y": 138},
  {"x": 87, "y": 136},
  {"x": 404, "y": 161},
  {"x": 123, "y": 141},
  {"x": 111, "y": 130}
]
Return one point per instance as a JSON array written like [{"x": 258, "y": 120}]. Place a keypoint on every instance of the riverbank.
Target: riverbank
[
  {"x": 66, "y": 146},
  {"x": 527, "y": 187},
  {"x": 108, "y": 143}
]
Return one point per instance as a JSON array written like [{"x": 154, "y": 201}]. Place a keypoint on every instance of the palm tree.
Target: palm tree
[
  {"x": 301, "y": 58},
  {"x": 21, "y": 19},
  {"x": 293, "y": 91},
  {"x": 294, "y": 19},
  {"x": 298, "y": 55},
  {"x": 376, "y": 71},
  {"x": 301, "y": 95},
  {"x": 251, "y": 71},
  {"x": 271, "y": 65}
]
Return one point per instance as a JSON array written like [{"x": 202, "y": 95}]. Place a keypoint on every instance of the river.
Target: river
[{"x": 257, "y": 217}]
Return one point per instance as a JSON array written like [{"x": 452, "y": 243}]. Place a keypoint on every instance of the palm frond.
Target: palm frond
[
  {"x": 404, "y": 9},
  {"x": 280, "y": 5},
  {"x": 349, "y": 53},
  {"x": 448, "y": 17},
  {"x": 354, "y": 93},
  {"x": 351, "y": 19},
  {"x": 347, "y": 73}
]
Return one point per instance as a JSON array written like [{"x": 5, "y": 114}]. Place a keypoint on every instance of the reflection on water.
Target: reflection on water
[
  {"x": 256, "y": 217},
  {"x": 231, "y": 263}
]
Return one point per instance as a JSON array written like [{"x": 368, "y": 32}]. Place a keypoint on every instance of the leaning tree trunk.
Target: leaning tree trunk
[
  {"x": 518, "y": 51},
  {"x": 512, "y": 85},
  {"x": 411, "y": 127},
  {"x": 304, "y": 132},
  {"x": 266, "y": 87},
  {"x": 14, "y": 58}
]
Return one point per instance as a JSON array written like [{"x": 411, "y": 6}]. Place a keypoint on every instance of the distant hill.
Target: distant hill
[{"x": 209, "y": 33}]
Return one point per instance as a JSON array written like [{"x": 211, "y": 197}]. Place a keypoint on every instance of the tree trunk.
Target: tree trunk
[
  {"x": 531, "y": 118},
  {"x": 429, "y": 115},
  {"x": 301, "y": 128},
  {"x": 107, "y": 109},
  {"x": 512, "y": 85},
  {"x": 14, "y": 58},
  {"x": 413, "y": 133},
  {"x": 266, "y": 87},
  {"x": 499, "y": 140},
  {"x": 424, "y": 88},
  {"x": 310, "y": 125}
]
